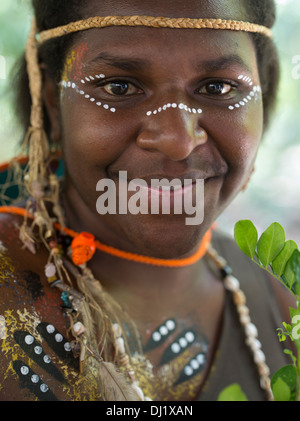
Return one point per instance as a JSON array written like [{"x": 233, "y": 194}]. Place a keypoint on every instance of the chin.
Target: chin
[{"x": 167, "y": 238}]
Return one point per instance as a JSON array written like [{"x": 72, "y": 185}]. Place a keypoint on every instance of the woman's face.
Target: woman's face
[{"x": 159, "y": 103}]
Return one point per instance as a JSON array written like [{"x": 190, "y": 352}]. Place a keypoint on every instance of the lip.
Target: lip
[
  {"x": 165, "y": 186},
  {"x": 192, "y": 177}
]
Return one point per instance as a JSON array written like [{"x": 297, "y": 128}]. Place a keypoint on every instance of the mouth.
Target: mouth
[
  {"x": 165, "y": 186},
  {"x": 161, "y": 192}
]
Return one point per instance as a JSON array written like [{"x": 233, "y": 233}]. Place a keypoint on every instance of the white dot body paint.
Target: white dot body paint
[
  {"x": 156, "y": 336},
  {"x": 29, "y": 339},
  {"x": 174, "y": 105},
  {"x": 24, "y": 370},
  {"x": 175, "y": 348},
  {"x": 84, "y": 81},
  {"x": 253, "y": 93}
]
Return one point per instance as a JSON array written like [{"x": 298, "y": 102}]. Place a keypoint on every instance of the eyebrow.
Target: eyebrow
[
  {"x": 123, "y": 63},
  {"x": 224, "y": 62},
  {"x": 135, "y": 64}
]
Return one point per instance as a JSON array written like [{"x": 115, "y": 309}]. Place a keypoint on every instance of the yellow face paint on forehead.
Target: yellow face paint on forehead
[{"x": 74, "y": 63}]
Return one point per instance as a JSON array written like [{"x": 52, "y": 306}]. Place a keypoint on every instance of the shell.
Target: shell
[
  {"x": 50, "y": 270},
  {"x": 78, "y": 328}
]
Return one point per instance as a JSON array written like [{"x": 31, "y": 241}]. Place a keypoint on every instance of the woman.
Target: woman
[{"x": 146, "y": 317}]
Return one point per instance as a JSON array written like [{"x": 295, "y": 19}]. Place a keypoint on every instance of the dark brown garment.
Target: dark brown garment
[{"x": 234, "y": 361}]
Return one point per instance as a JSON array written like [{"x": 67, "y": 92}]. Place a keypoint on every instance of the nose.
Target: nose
[{"x": 174, "y": 130}]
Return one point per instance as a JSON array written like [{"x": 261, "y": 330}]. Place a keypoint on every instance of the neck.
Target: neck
[
  {"x": 114, "y": 271},
  {"x": 161, "y": 292}
]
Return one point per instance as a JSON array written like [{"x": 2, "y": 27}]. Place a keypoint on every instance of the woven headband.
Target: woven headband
[{"x": 153, "y": 22}]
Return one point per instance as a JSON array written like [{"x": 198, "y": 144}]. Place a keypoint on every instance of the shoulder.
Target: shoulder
[{"x": 30, "y": 315}]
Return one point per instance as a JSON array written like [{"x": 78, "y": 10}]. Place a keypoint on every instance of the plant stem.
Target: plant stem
[
  {"x": 272, "y": 274},
  {"x": 297, "y": 398}
]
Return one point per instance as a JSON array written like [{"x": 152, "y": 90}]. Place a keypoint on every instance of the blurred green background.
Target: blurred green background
[{"x": 274, "y": 191}]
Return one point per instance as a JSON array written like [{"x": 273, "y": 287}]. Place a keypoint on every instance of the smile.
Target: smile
[{"x": 160, "y": 196}]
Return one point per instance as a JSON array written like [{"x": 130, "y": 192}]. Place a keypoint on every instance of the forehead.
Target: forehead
[
  {"x": 157, "y": 44},
  {"x": 224, "y": 9},
  {"x": 164, "y": 47}
]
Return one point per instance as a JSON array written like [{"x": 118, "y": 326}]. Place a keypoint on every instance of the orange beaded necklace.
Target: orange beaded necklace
[{"x": 84, "y": 246}]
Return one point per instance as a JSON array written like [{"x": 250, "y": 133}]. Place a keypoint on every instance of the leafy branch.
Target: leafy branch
[{"x": 280, "y": 258}]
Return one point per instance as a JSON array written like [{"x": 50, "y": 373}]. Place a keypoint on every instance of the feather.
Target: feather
[{"x": 115, "y": 385}]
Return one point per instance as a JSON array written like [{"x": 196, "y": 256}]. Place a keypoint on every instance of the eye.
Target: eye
[
  {"x": 216, "y": 88},
  {"x": 120, "y": 88}
]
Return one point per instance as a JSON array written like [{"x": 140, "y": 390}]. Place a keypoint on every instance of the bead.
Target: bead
[
  {"x": 251, "y": 330},
  {"x": 263, "y": 370},
  {"x": 53, "y": 244},
  {"x": 83, "y": 248},
  {"x": 52, "y": 280},
  {"x": 50, "y": 270},
  {"x": 76, "y": 303},
  {"x": 259, "y": 356},
  {"x": 243, "y": 310},
  {"x": 120, "y": 345},
  {"x": 265, "y": 383},
  {"x": 65, "y": 298},
  {"x": 231, "y": 283},
  {"x": 239, "y": 298},
  {"x": 78, "y": 328},
  {"x": 85, "y": 238},
  {"x": 117, "y": 329},
  {"x": 225, "y": 271},
  {"x": 253, "y": 343},
  {"x": 245, "y": 319},
  {"x": 75, "y": 346}
]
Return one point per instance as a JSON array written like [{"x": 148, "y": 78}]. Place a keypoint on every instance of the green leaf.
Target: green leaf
[
  {"x": 296, "y": 265},
  {"x": 294, "y": 312},
  {"x": 232, "y": 393},
  {"x": 270, "y": 243},
  {"x": 245, "y": 235},
  {"x": 281, "y": 391},
  {"x": 280, "y": 261},
  {"x": 289, "y": 274},
  {"x": 284, "y": 383}
]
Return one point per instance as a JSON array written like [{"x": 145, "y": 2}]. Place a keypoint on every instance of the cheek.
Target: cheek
[
  {"x": 236, "y": 135},
  {"x": 239, "y": 132},
  {"x": 93, "y": 138}
]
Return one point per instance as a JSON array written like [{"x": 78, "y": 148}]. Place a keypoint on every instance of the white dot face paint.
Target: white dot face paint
[
  {"x": 246, "y": 79},
  {"x": 252, "y": 94},
  {"x": 85, "y": 81},
  {"x": 174, "y": 105}
]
